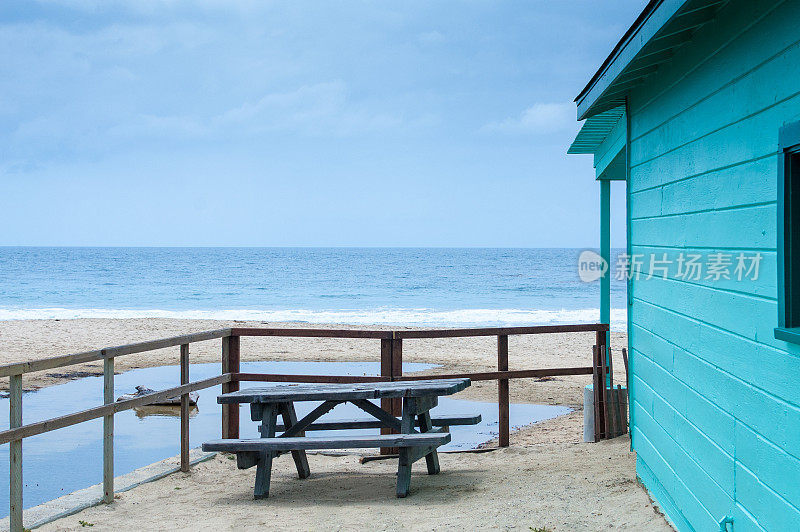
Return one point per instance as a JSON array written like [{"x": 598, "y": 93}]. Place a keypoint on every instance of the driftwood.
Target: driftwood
[{"x": 171, "y": 401}]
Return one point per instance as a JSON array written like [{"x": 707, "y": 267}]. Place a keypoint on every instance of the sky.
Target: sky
[{"x": 261, "y": 123}]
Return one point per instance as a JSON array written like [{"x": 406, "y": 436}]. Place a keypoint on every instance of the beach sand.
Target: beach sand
[
  {"x": 547, "y": 478},
  {"x": 555, "y": 487}
]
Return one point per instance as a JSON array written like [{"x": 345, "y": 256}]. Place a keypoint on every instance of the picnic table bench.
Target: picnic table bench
[{"x": 269, "y": 402}]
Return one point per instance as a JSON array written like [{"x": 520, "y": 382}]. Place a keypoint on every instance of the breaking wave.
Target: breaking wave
[{"x": 381, "y": 316}]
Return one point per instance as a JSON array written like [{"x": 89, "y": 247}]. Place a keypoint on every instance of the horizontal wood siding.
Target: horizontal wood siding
[{"x": 715, "y": 402}]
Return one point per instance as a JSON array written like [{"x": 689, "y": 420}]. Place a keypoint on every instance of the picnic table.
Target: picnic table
[{"x": 418, "y": 434}]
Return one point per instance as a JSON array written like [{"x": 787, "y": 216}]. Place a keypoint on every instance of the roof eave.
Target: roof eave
[{"x": 652, "y": 19}]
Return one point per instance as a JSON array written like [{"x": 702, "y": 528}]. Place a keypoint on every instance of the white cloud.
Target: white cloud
[
  {"x": 539, "y": 118},
  {"x": 145, "y": 125},
  {"x": 431, "y": 37},
  {"x": 319, "y": 109},
  {"x": 304, "y": 103}
]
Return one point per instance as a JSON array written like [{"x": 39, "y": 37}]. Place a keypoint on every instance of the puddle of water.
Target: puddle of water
[{"x": 70, "y": 459}]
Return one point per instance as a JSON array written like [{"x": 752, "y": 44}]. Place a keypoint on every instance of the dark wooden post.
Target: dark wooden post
[
  {"x": 502, "y": 390},
  {"x": 185, "y": 409},
  {"x": 386, "y": 371},
  {"x": 230, "y": 364},
  {"x": 596, "y": 387},
  {"x": 609, "y": 365},
  {"x": 391, "y": 367},
  {"x": 600, "y": 385},
  {"x": 606, "y": 400},
  {"x": 607, "y": 380},
  {"x": 397, "y": 370}
]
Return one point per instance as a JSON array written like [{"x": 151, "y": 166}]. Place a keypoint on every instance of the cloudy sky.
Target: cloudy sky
[{"x": 260, "y": 123}]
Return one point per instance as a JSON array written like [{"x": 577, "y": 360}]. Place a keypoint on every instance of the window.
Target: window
[{"x": 789, "y": 234}]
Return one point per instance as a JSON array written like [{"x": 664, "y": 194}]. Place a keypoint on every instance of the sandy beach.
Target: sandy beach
[
  {"x": 523, "y": 487},
  {"x": 547, "y": 478}
]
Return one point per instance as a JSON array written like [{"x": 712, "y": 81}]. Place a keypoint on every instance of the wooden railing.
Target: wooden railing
[{"x": 391, "y": 369}]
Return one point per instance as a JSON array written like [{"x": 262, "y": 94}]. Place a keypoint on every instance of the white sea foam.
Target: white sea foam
[{"x": 384, "y": 316}]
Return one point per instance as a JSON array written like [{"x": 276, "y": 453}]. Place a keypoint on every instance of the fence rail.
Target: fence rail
[
  {"x": 42, "y": 364},
  {"x": 108, "y": 409},
  {"x": 475, "y": 376},
  {"x": 391, "y": 359}
]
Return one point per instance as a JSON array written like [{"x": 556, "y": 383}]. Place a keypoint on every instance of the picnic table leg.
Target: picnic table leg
[
  {"x": 300, "y": 460},
  {"x": 403, "y": 473},
  {"x": 432, "y": 458},
  {"x": 404, "y": 462},
  {"x": 264, "y": 466}
]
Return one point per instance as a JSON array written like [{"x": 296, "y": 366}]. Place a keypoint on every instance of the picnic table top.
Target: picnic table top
[{"x": 344, "y": 392}]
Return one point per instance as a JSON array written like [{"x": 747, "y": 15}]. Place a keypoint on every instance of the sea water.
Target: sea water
[{"x": 361, "y": 286}]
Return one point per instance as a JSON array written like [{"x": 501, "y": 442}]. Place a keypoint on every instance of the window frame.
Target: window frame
[{"x": 788, "y": 242}]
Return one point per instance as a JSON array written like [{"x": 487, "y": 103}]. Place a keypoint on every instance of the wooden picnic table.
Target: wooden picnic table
[{"x": 268, "y": 402}]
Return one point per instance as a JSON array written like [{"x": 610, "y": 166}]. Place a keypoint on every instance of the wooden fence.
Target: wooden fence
[{"x": 230, "y": 377}]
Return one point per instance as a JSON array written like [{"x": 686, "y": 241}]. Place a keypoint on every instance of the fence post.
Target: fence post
[
  {"x": 604, "y": 378},
  {"x": 607, "y": 379},
  {"x": 397, "y": 373},
  {"x": 387, "y": 370},
  {"x": 108, "y": 431},
  {"x": 599, "y": 383},
  {"x": 607, "y": 359},
  {"x": 230, "y": 364},
  {"x": 185, "y": 409},
  {"x": 502, "y": 390},
  {"x": 397, "y": 370},
  {"x": 15, "y": 454},
  {"x": 596, "y": 392}
]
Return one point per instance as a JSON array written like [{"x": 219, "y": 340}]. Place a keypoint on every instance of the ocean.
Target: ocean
[{"x": 446, "y": 287}]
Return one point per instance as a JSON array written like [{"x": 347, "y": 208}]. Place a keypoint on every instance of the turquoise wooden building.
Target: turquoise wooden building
[{"x": 698, "y": 110}]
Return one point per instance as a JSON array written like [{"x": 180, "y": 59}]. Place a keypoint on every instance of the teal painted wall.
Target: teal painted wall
[{"x": 715, "y": 397}]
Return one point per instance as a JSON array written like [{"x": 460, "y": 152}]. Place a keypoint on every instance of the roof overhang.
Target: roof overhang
[
  {"x": 595, "y": 130},
  {"x": 605, "y": 136},
  {"x": 660, "y": 29}
]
